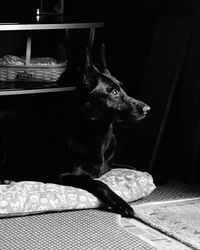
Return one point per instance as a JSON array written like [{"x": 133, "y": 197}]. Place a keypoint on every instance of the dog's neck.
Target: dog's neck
[{"x": 103, "y": 125}]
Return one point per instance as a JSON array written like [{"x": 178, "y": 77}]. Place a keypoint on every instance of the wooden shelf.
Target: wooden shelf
[
  {"x": 7, "y": 92},
  {"x": 49, "y": 26}
]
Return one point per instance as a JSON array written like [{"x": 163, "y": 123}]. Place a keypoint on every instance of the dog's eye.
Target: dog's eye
[{"x": 115, "y": 92}]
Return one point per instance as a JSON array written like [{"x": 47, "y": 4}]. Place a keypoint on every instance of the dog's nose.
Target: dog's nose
[{"x": 146, "y": 109}]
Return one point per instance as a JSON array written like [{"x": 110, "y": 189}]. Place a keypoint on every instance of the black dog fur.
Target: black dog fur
[{"x": 88, "y": 151}]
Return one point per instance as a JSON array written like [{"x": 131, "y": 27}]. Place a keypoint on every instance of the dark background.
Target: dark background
[{"x": 151, "y": 47}]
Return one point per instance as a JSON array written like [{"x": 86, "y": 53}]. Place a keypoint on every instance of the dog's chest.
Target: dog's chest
[{"x": 108, "y": 140}]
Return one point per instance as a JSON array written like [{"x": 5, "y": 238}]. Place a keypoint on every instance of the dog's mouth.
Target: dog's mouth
[
  {"x": 129, "y": 119},
  {"x": 134, "y": 116},
  {"x": 140, "y": 117}
]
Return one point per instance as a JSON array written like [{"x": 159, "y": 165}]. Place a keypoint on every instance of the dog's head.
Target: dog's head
[{"x": 105, "y": 95}]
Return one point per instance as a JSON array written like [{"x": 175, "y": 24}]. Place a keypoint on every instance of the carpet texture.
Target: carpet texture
[
  {"x": 74, "y": 230},
  {"x": 172, "y": 190},
  {"x": 179, "y": 219}
]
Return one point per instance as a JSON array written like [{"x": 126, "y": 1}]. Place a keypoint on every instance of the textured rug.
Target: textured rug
[
  {"x": 71, "y": 230},
  {"x": 179, "y": 219}
]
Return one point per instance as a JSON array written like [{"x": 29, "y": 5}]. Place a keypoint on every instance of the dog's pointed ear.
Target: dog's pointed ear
[
  {"x": 90, "y": 71},
  {"x": 103, "y": 60}
]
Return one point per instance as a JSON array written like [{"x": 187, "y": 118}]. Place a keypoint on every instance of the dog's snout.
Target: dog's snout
[
  {"x": 146, "y": 109},
  {"x": 142, "y": 110}
]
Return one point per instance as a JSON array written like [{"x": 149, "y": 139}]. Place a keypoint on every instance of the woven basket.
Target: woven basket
[{"x": 31, "y": 72}]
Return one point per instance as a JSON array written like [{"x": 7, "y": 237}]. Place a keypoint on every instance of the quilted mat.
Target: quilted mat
[{"x": 74, "y": 230}]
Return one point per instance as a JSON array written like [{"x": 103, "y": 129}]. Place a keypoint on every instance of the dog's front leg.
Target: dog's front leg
[
  {"x": 99, "y": 190},
  {"x": 118, "y": 205}
]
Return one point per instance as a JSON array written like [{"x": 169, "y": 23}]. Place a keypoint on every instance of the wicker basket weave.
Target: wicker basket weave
[
  {"x": 49, "y": 73},
  {"x": 29, "y": 71}
]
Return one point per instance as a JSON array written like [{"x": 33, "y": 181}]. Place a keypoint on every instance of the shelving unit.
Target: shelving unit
[
  {"x": 46, "y": 26},
  {"x": 6, "y": 92}
]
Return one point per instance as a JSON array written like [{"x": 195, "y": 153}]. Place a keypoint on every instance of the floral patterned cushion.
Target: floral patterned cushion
[{"x": 27, "y": 197}]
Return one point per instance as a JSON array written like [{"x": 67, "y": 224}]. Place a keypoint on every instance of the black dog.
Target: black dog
[{"x": 89, "y": 150}]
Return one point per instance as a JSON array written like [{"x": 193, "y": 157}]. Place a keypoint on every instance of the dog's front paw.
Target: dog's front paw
[
  {"x": 120, "y": 206},
  {"x": 125, "y": 210},
  {"x": 128, "y": 212},
  {"x": 114, "y": 201}
]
